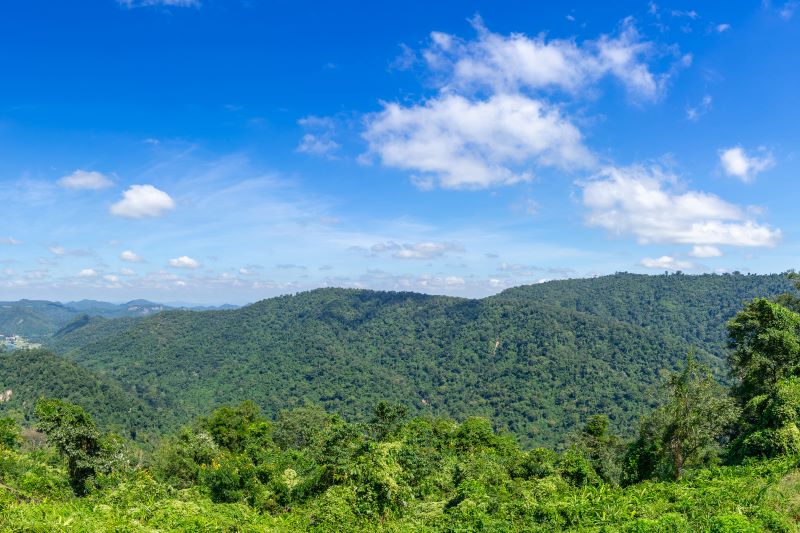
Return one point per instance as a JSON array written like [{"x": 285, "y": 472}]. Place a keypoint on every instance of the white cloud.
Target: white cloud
[
  {"x": 422, "y": 250},
  {"x": 518, "y": 62},
  {"x": 491, "y": 122},
  {"x": 666, "y": 262},
  {"x": 10, "y": 241},
  {"x": 735, "y": 162},
  {"x": 643, "y": 201},
  {"x": 141, "y": 201},
  {"x": 87, "y": 273},
  {"x": 57, "y": 250},
  {"x": 722, "y": 28},
  {"x": 705, "y": 251},
  {"x": 111, "y": 278},
  {"x": 81, "y": 179},
  {"x": 130, "y": 256},
  {"x": 127, "y": 272},
  {"x": 465, "y": 144},
  {"x": 184, "y": 262}
]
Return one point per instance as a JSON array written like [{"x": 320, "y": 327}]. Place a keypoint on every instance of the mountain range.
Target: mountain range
[{"x": 537, "y": 359}]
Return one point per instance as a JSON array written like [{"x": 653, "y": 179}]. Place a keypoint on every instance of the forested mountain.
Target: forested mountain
[
  {"x": 537, "y": 359},
  {"x": 693, "y": 308}
]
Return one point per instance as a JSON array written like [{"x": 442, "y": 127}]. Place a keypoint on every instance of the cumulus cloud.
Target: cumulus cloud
[
  {"x": 491, "y": 122},
  {"x": 111, "y": 278},
  {"x": 81, "y": 179},
  {"x": 127, "y": 272},
  {"x": 141, "y": 201},
  {"x": 184, "y": 261},
  {"x": 87, "y": 273},
  {"x": 10, "y": 241},
  {"x": 647, "y": 203},
  {"x": 422, "y": 250},
  {"x": 57, "y": 250},
  {"x": 736, "y": 163},
  {"x": 462, "y": 144},
  {"x": 722, "y": 28},
  {"x": 509, "y": 63},
  {"x": 666, "y": 262},
  {"x": 130, "y": 256}
]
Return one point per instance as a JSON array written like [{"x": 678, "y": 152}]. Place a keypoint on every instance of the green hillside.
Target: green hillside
[
  {"x": 690, "y": 307},
  {"x": 536, "y": 359},
  {"x": 32, "y": 374}
]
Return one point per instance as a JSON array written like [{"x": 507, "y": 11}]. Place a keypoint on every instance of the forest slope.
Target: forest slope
[{"x": 536, "y": 359}]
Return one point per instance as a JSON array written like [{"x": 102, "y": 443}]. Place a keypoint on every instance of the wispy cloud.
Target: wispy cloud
[
  {"x": 81, "y": 179},
  {"x": 156, "y": 3},
  {"x": 694, "y": 113}
]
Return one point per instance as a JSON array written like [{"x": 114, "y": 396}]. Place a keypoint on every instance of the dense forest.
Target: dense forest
[
  {"x": 536, "y": 360},
  {"x": 707, "y": 457}
]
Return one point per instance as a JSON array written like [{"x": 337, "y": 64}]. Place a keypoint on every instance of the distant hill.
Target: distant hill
[
  {"x": 537, "y": 359},
  {"x": 37, "y": 319}
]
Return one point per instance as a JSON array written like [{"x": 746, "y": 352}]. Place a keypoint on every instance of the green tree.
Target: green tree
[
  {"x": 603, "y": 449},
  {"x": 386, "y": 419},
  {"x": 9, "y": 433},
  {"x": 788, "y": 299},
  {"x": 765, "y": 338},
  {"x": 73, "y": 432},
  {"x": 687, "y": 430},
  {"x": 179, "y": 458},
  {"x": 229, "y": 425},
  {"x": 769, "y": 423}
]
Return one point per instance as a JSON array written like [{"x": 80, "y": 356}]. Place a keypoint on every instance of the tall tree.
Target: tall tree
[
  {"x": 765, "y": 338},
  {"x": 73, "y": 432},
  {"x": 686, "y": 431}
]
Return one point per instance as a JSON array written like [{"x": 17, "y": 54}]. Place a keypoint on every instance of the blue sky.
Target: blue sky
[{"x": 225, "y": 151}]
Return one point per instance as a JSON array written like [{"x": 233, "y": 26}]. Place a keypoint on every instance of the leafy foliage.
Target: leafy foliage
[
  {"x": 427, "y": 475},
  {"x": 687, "y": 430},
  {"x": 73, "y": 433}
]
